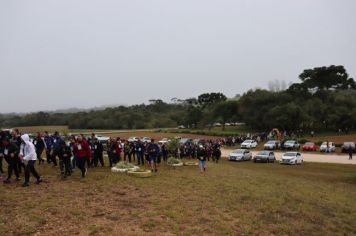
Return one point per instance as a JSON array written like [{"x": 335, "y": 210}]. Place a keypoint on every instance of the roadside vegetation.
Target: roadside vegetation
[{"x": 324, "y": 101}]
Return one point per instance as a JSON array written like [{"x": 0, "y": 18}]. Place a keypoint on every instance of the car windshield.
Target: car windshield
[
  {"x": 349, "y": 143},
  {"x": 290, "y": 154},
  {"x": 248, "y": 141},
  {"x": 309, "y": 143},
  {"x": 271, "y": 142},
  {"x": 263, "y": 153},
  {"x": 239, "y": 151},
  {"x": 290, "y": 142}
]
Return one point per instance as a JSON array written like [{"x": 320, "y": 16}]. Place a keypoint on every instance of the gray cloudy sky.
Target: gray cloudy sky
[{"x": 84, "y": 53}]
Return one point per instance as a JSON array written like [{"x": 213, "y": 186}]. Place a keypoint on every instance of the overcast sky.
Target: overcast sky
[{"x": 58, "y": 54}]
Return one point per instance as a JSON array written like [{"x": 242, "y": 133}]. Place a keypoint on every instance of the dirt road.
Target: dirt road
[{"x": 312, "y": 157}]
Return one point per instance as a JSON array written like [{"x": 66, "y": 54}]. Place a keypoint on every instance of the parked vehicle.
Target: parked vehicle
[
  {"x": 146, "y": 139},
  {"x": 272, "y": 145},
  {"x": 291, "y": 145},
  {"x": 328, "y": 147},
  {"x": 240, "y": 155},
  {"x": 132, "y": 139},
  {"x": 291, "y": 158},
  {"x": 102, "y": 139},
  {"x": 185, "y": 141},
  {"x": 347, "y": 146},
  {"x": 164, "y": 141},
  {"x": 249, "y": 144},
  {"x": 264, "y": 156},
  {"x": 310, "y": 146}
]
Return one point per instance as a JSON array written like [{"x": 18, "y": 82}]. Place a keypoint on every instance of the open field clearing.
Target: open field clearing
[{"x": 229, "y": 199}]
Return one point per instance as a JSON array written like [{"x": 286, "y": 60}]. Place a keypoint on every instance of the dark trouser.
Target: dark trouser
[
  {"x": 81, "y": 164},
  {"x": 87, "y": 162},
  {"x": 12, "y": 166},
  {"x": 128, "y": 155},
  {"x": 39, "y": 156},
  {"x": 54, "y": 157},
  {"x": 350, "y": 155},
  {"x": 115, "y": 159},
  {"x": 20, "y": 165},
  {"x": 30, "y": 168},
  {"x": 48, "y": 156},
  {"x": 98, "y": 157},
  {"x": 165, "y": 157},
  {"x": 133, "y": 154},
  {"x": 74, "y": 162},
  {"x": 1, "y": 170},
  {"x": 140, "y": 160},
  {"x": 64, "y": 165},
  {"x": 110, "y": 156}
]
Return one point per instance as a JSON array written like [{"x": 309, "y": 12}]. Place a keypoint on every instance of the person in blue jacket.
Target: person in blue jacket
[
  {"x": 56, "y": 146},
  {"x": 48, "y": 146}
]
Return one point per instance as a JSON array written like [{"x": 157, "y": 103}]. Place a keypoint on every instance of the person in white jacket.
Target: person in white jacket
[{"x": 28, "y": 156}]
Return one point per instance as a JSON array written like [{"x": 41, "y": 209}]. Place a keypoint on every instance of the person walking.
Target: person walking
[
  {"x": 28, "y": 156},
  {"x": 16, "y": 139},
  {"x": 82, "y": 152},
  {"x": 64, "y": 155},
  {"x": 202, "y": 156},
  {"x": 40, "y": 146},
  {"x": 9, "y": 152},
  {"x": 98, "y": 153},
  {"x": 56, "y": 146},
  {"x": 48, "y": 141}
]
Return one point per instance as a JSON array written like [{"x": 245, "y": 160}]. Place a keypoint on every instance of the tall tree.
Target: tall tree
[
  {"x": 329, "y": 77},
  {"x": 207, "y": 99}
]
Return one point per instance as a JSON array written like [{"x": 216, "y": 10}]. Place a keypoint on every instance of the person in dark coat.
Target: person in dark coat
[
  {"x": 98, "y": 153},
  {"x": 64, "y": 155},
  {"x": 40, "y": 146},
  {"x": 9, "y": 151}
]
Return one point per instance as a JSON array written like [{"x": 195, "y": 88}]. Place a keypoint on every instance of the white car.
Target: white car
[
  {"x": 164, "y": 141},
  {"x": 272, "y": 145},
  {"x": 102, "y": 139},
  {"x": 249, "y": 144},
  {"x": 291, "y": 145},
  {"x": 146, "y": 139},
  {"x": 325, "y": 148},
  {"x": 240, "y": 155},
  {"x": 132, "y": 139},
  {"x": 291, "y": 158}
]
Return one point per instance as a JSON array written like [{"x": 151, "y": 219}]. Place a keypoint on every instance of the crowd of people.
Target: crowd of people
[{"x": 79, "y": 152}]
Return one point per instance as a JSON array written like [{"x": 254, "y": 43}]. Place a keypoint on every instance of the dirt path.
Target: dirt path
[{"x": 311, "y": 157}]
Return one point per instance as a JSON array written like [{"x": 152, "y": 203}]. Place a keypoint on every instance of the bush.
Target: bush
[
  {"x": 172, "y": 161},
  {"x": 124, "y": 165}
]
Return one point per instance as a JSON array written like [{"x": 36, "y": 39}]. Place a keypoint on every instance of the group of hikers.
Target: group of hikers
[{"x": 21, "y": 153}]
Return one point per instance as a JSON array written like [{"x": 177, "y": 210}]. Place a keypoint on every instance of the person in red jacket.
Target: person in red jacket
[{"x": 82, "y": 153}]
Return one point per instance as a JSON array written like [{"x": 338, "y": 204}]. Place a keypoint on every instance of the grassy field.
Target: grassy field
[{"x": 229, "y": 199}]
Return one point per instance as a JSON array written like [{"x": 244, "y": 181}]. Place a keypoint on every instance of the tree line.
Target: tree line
[{"x": 325, "y": 99}]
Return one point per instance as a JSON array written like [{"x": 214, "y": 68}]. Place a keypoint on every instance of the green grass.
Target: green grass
[{"x": 229, "y": 199}]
